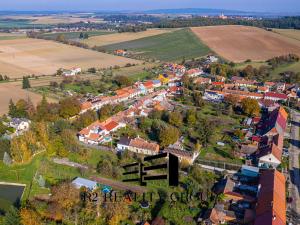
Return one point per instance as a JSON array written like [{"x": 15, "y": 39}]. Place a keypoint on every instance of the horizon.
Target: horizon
[{"x": 258, "y": 6}]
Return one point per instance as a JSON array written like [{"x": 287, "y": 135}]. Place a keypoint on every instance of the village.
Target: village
[
  {"x": 251, "y": 192},
  {"x": 259, "y": 187}
]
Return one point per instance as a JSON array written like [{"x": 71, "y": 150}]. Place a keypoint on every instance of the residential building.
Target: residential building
[
  {"x": 71, "y": 72},
  {"x": 274, "y": 96},
  {"x": 81, "y": 182},
  {"x": 20, "y": 124},
  {"x": 98, "y": 132},
  {"x": 187, "y": 156},
  {"x": 202, "y": 80},
  {"x": 213, "y": 95},
  {"x": 194, "y": 72},
  {"x": 138, "y": 145},
  {"x": 271, "y": 203}
]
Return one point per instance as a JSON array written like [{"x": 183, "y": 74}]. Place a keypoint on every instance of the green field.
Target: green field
[
  {"x": 172, "y": 46},
  {"x": 294, "y": 67},
  {"x": 74, "y": 35},
  {"x": 19, "y": 23}
]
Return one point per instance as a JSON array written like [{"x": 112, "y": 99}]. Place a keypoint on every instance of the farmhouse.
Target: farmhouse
[
  {"x": 71, "y": 72},
  {"x": 138, "y": 145}
]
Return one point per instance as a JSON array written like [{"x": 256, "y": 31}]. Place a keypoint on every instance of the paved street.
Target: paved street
[{"x": 294, "y": 169}]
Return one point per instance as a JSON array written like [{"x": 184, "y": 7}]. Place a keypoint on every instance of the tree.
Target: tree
[
  {"x": 12, "y": 109},
  {"x": 175, "y": 118},
  {"x": 231, "y": 99},
  {"x": 205, "y": 131},
  {"x": 25, "y": 83},
  {"x": 69, "y": 107},
  {"x": 85, "y": 119},
  {"x": 168, "y": 135},
  {"x": 81, "y": 35},
  {"x": 61, "y": 38},
  {"x": 12, "y": 217},
  {"x": 30, "y": 217},
  {"x": 105, "y": 112},
  {"x": 250, "y": 107},
  {"x": 191, "y": 117},
  {"x": 123, "y": 81},
  {"x": 86, "y": 36}
]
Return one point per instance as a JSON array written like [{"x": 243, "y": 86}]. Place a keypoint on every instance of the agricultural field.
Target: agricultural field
[
  {"x": 291, "y": 33},
  {"x": 122, "y": 37},
  {"x": 40, "y": 57},
  {"x": 239, "y": 43},
  {"x": 75, "y": 35},
  {"x": 14, "y": 91},
  {"x": 171, "y": 46},
  {"x": 11, "y": 36}
]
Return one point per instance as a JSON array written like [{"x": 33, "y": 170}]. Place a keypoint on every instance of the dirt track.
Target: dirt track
[{"x": 239, "y": 43}]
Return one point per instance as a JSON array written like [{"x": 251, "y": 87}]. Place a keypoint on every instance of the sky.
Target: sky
[{"x": 98, "y": 5}]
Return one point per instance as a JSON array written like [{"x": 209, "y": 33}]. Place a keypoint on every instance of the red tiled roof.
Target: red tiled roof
[
  {"x": 111, "y": 125},
  {"x": 276, "y": 95},
  {"x": 218, "y": 83},
  {"x": 86, "y": 105},
  {"x": 271, "y": 204}
]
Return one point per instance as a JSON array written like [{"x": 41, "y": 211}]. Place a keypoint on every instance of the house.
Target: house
[
  {"x": 263, "y": 89},
  {"x": 71, "y": 72},
  {"x": 274, "y": 96},
  {"x": 202, "y": 80},
  {"x": 246, "y": 83},
  {"x": 98, "y": 132},
  {"x": 81, "y": 182},
  {"x": 156, "y": 83},
  {"x": 212, "y": 59},
  {"x": 175, "y": 90},
  {"x": 213, "y": 95},
  {"x": 194, "y": 72},
  {"x": 271, "y": 203},
  {"x": 20, "y": 124},
  {"x": 269, "y": 155},
  {"x": 273, "y": 124},
  {"x": 270, "y": 85},
  {"x": 138, "y": 145},
  {"x": 120, "y": 52},
  {"x": 280, "y": 87},
  {"x": 250, "y": 171},
  {"x": 187, "y": 156}
]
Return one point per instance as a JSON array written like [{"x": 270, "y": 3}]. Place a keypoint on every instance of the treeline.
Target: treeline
[
  {"x": 196, "y": 21},
  {"x": 131, "y": 18},
  {"x": 285, "y": 59},
  {"x": 136, "y": 28}
]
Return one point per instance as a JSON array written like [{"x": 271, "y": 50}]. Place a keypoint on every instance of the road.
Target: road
[{"x": 294, "y": 168}]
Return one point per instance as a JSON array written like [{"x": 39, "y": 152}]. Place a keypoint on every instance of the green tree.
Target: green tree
[
  {"x": 26, "y": 83},
  {"x": 250, "y": 107},
  {"x": 85, "y": 119},
  {"x": 12, "y": 217},
  {"x": 205, "y": 131},
  {"x": 123, "y": 81},
  {"x": 12, "y": 109},
  {"x": 191, "y": 118},
  {"x": 81, "y": 35},
  {"x": 69, "y": 107},
  {"x": 175, "y": 118},
  {"x": 86, "y": 36},
  {"x": 168, "y": 135}
]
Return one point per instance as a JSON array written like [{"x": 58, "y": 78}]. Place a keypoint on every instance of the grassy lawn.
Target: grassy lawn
[
  {"x": 172, "y": 46},
  {"x": 75, "y": 35},
  {"x": 254, "y": 64},
  {"x": 294, "y": 67}
]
